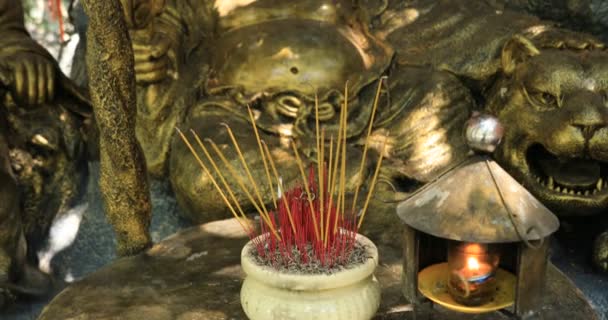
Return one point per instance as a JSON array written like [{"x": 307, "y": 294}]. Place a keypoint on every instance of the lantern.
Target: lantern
[{"x": 476, "y": 241}]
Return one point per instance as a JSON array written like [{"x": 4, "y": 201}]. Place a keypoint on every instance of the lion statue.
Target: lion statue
[{"x": 548, "y": 86}]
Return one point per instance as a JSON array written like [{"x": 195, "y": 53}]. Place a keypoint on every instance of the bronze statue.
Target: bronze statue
[
  {"x": 199, "y": 64},
  {"x": 579, "y": 15},
  {"x": 42, "y": 164}
]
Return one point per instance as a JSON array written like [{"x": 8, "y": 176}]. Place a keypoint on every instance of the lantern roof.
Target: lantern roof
[{"x": 478, "y": 201}]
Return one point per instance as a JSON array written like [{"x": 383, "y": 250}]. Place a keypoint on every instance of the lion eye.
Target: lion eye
[
  {"x": 548, "y": 99},
  {"x": 542, "y": 100},
  {"x": 545, "y": 100}
]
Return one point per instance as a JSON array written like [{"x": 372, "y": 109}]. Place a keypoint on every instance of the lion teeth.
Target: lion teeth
[
  {"x": 578, "y": 193},
  {"x": 565, "y": 191},
  {"x": 558, "y": 189},
  {"x": 587, "y": 192},
  {"x": 550, "y": 183},
  {"x": 599, "y": 185}
]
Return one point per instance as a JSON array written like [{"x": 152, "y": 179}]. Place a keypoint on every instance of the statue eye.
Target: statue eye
[
  {"x": 543, "y": 100},
  {"x": 547, "y": 99}
]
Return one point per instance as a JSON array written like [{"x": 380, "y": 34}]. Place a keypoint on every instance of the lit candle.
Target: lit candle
[
  {"x": 476, "y": 272},
  {"x": 471, "y": 280}
]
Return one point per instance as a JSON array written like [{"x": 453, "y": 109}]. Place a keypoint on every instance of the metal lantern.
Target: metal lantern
[{"x": 476, "y": 241}]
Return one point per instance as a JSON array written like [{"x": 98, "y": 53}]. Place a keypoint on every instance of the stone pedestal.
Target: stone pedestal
[{"x": 196, "y": 274}]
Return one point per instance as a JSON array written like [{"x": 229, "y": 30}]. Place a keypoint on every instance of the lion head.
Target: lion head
[{"x": 554, "y": 104}]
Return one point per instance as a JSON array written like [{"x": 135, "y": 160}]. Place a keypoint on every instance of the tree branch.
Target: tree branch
[{"x": 123, "y": 182}]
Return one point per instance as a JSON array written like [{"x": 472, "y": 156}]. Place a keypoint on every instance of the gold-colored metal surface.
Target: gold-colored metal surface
[
  {"x": 465, "y": 204},
  {"x": 531, "y": 275},
  {"x": 199, "y": 63},
  {"x": 432, "y": 283}
]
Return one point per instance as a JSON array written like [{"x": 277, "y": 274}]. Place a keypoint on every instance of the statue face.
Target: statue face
[
  {"x": 555, "y": 110},
  {"x": 281, "y": 67},
  {"x": 292, "y": 55}
]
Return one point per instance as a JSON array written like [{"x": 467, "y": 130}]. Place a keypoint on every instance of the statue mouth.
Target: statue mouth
[{"x": 573, "y": 177}]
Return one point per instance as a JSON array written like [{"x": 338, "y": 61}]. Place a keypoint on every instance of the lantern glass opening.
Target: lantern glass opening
[{"x": 472, "y": 272}]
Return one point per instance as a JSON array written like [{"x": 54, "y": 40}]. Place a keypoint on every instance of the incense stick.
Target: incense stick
[
  {"x": 332, "y": 241},
  {"x": 321, "y": 180},
  {"x": 218, "y": 172},
  {"x": 369, "y": 132},
  {"x": 319, "y": 165},
  {"x": 329, "y": 203},
  {"x": 307, "y": 188},
  {"x": 237, "y": 177},
  {"x": 373, "y": 185},
  {"x": 244, "y": 163},
  {"x": 341, "y": 191},
  {"x": 206, "y": 170},
  {"x": 280, "y": 185},
  {"x": 334, "y": 174},
  {"x": 257, "y": 137}
]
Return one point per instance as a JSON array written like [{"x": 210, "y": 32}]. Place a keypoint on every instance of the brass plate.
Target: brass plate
[{"x": 432, "y": 283}]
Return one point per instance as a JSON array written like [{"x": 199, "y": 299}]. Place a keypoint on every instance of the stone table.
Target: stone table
[{"x": 196, "y": 274}]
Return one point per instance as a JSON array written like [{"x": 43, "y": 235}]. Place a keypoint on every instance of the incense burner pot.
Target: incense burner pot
[{"x": 349, "y": 294}]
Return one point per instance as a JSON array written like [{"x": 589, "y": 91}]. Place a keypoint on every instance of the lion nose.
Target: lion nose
[
  {"x": 589, "y": 118},
  {"x": 588, "y": 130}
]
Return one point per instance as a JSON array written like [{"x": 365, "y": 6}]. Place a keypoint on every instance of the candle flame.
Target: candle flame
[{"x": 473, "y": 263}]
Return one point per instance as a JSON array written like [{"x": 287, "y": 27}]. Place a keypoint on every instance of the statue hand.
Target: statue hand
[
  {"x": 34, "y": 78},
  {"x": 154, "y": 60}
]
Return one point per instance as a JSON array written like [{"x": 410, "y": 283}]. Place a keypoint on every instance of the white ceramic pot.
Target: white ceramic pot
[{"x": 350, "y": 294}]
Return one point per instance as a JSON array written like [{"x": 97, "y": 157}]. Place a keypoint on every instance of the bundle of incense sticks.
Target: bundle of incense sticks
[{"x": 310, "y": 223}]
